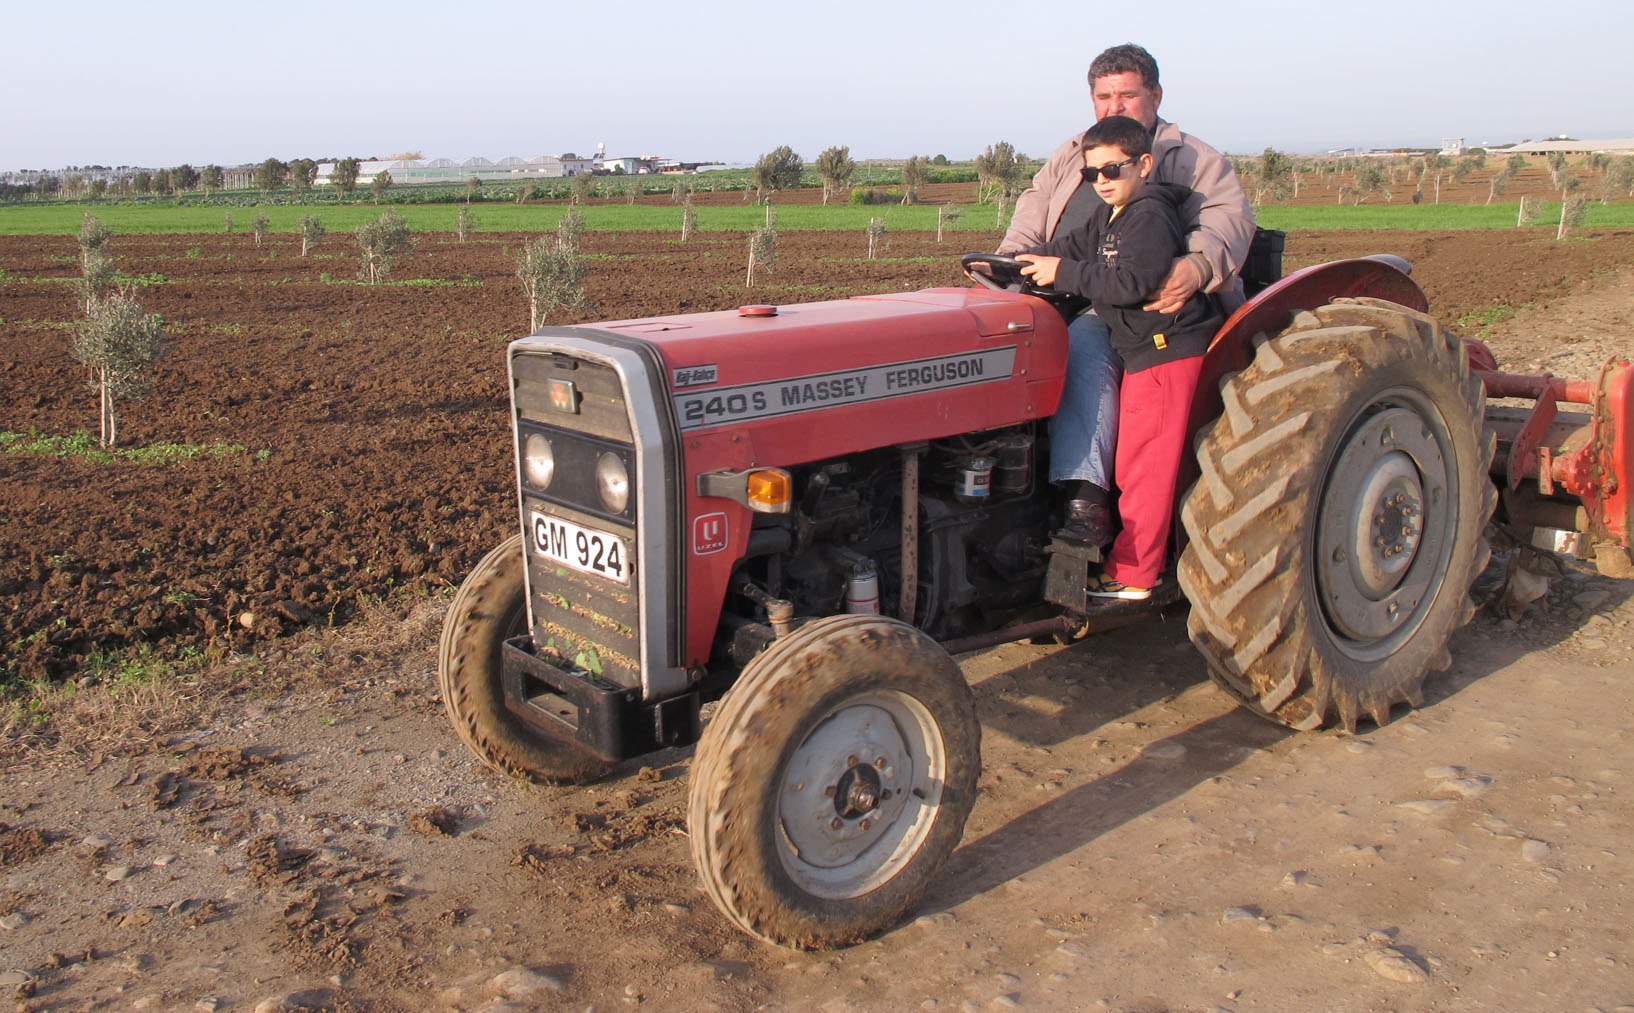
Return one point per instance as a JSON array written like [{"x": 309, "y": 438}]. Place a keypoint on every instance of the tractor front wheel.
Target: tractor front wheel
[
  {"x": 490, "y": 608},
  {"x": 834, "y": 782},
  {"x": 1339, "y": 519}
]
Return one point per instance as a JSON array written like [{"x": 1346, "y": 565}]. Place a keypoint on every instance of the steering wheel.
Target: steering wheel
[{"x": 1002, "y": 274}]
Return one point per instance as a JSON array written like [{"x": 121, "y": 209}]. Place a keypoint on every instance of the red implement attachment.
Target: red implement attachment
[{"x": 1566, "y": 469}]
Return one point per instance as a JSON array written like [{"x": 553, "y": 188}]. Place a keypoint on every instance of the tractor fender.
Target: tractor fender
[{"x": 1270, "y": 312}]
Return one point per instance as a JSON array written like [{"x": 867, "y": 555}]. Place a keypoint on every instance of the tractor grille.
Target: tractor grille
[{"x": 583, "y": 556}]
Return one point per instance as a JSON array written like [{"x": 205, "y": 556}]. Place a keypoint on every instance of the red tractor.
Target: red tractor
[{"x": 806, "y": 511}]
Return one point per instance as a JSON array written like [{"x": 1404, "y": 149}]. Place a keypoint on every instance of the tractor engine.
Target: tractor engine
[{"x": 978, "y": 556}]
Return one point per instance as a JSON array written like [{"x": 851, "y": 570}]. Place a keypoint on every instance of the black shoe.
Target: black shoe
[{"x": 1087, "y": 522}]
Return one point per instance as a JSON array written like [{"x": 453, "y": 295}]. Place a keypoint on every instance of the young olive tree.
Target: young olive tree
[
  {"x": 915, "y": 174},
  {"x": 947, "y": 214},
  {"x": 778, "y": 169},
  {"x": 552, "y": 272},
  {"x": 762, "y": 253},
  {"x": 876, "y": 234},
  {"x": 269, "y": 175},
  {"x": 311, "y": 232},
  {"x": 302, "y": 171},
  {"x": 465, "y": 222},
  {"x": 1618, "y": 178},
  {"x": 380, "y": 184},
  {"x": 1000, "y": 174},
  {"x": 343, "y": 177},
  {"x": 382, "y": 242},
  {"x": 1499, "y": 184},
  {"x": 1271, "y": 177},
  {"x": 1557, "y": 168},
  {"x": 582, "y": 188},
  {"x": 212, "y": 179},
  {"x": 1572, "y": 210},
  {"x": 1528, "y": 213},
  {"x": 120, "y": 345},
  {"x": 260, "y": 227},
  {"x": 1370, "y": 180},
  {"x": 689, "y": 219},
  {"x": 473, "y": 186},
  {"x": 835, "y": 168}
]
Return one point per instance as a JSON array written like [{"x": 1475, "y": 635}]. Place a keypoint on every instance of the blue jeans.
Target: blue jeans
[{"x": 1084, "y": 433}]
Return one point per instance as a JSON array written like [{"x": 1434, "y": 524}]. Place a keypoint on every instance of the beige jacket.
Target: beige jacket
[{"x": 1218, "y": 208}]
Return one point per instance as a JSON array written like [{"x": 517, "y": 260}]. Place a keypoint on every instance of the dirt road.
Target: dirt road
[{"x": 1138, "y": 845}]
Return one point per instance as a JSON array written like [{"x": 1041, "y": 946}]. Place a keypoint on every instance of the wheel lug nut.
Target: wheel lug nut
[
  {"x": 879, "y": 763},
  {"x": 838, "y": 823},
  {"x": 866, "y": 824}
]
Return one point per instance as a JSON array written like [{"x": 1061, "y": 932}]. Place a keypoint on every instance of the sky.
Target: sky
[{"x": 119, "y": 84}]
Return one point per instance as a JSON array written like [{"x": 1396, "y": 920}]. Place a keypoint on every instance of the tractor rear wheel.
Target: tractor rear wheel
[
  {"x": 490, "y": 608},
  {"x": 1340, "y": 517},
  {"x": 834, "y": 782}
]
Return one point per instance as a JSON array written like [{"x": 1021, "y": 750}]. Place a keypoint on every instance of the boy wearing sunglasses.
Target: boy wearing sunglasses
[{"x": 1116, "y": 260}]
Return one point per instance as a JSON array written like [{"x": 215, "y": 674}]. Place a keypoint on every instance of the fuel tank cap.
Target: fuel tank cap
[{"x": 757, "y": 311}]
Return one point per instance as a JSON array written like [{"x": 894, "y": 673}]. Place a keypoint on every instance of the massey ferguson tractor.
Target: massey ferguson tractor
[{"x": 807, "y": 511}]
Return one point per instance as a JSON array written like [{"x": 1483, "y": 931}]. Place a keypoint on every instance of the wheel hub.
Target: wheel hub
[
  {"x": 852, "y": 792},
  {"x": 858, "y": 792},
  {"x": 1383, "y": 524}
]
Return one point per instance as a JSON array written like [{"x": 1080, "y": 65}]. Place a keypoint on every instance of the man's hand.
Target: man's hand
[
  {"x": 1041, "y": 270},
  {"x": 1184, "y": 279}
]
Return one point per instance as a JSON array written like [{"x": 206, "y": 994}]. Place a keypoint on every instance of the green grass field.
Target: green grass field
[{"x": 162, "y": 217}]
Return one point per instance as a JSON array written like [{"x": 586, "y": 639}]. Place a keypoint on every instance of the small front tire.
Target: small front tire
[
  {"x": 491, "y": 607},
  {"x": 834, "y": 782}
]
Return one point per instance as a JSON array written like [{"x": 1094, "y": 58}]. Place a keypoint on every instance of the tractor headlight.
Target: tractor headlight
[
  {"x": 538, "y": 461},
  {"x": 612, "y": 482}
]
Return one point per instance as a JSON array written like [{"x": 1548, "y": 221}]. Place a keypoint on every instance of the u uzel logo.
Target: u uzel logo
[{"x": 708, "y": 534}]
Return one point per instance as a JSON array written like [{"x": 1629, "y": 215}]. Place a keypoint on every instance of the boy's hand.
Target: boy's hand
[
  {"x": 1184, "y": 279},
  {"x": 1039, "y": 270}
]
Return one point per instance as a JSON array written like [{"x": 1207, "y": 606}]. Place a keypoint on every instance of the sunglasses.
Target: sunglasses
[{"x": 1112, "y": 170}]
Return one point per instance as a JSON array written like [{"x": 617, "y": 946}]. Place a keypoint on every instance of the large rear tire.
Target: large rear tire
[
  {"x": 1339, "y": 520},
  {"x": 490, "y": 608},
  {"x": 834, "y": 782}
]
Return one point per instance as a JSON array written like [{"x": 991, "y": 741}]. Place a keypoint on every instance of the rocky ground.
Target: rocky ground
[{"x": 301, "y": 829}]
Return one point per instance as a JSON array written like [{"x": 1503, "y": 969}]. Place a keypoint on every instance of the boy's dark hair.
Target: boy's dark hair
[
  {"x": 1125, "y": 59},
  {"x": 1122, "y": 132}
]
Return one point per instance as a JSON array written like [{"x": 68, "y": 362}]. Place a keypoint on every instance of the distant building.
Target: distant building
[
  {"x": 1452, "y": 146},
  {"x": 1608, "y": 146},
  {"x": 446, "y": 170}
]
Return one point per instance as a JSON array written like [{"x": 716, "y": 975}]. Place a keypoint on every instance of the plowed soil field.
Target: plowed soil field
[{"x": 373, "y": 420}]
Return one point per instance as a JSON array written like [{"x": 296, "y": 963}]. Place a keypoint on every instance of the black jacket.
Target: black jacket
[{"x": 1119, "y": 262}]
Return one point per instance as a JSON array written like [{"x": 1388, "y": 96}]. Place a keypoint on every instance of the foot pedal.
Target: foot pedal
[{"x": 1068, "y": 574}]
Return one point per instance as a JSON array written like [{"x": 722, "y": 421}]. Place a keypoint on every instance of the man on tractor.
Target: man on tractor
[{"x": 1124, "y": 82}]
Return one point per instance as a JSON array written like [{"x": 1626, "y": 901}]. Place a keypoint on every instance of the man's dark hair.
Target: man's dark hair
[
  {"x": 1122, "y": 132},
  {"x": 1122, "y": 60}
]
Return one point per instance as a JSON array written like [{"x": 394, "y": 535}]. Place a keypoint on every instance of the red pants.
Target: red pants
[{"x": 1153, "y": 406}]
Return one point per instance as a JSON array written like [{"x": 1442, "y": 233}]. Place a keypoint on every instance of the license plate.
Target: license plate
[{"x": 584, "y": 549}]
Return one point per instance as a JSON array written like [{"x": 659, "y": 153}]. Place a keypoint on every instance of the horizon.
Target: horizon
[
  {"x": 729, "y": 80},
  {"x": 807, "y": 159}
]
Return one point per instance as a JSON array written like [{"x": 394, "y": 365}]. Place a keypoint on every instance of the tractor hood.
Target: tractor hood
[{"x": 868, "y": 372}]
